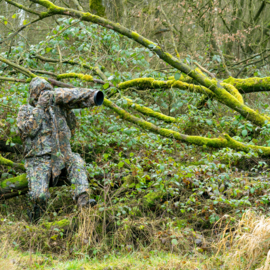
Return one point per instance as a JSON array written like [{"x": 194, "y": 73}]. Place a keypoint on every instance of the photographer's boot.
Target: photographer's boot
[
  {"x": 36, "y": 211},
  {"x": 84, "y": 201}
]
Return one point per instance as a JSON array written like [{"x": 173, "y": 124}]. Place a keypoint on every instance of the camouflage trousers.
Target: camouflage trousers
[{"x": 39, "y": 172}]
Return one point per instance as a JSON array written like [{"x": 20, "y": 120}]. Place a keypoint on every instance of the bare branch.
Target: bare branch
[
  {"x": 23, "y": 7},
  {"x": 10, "y": 79},
  {"x": 205, "y": 70},
  {"x": 23, "y": 70},
  {"x": 40, "y": 15}
]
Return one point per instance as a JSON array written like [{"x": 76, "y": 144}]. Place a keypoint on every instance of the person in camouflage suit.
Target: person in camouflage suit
[{"x": 46, "y": 125}]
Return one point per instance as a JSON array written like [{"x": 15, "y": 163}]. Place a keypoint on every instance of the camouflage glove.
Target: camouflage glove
[{"x": 44, "y": 100}]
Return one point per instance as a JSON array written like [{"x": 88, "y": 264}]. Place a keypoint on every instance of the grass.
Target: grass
[
  {"x": 243, "y": 245},
  {"x": 134, "y": 260}
]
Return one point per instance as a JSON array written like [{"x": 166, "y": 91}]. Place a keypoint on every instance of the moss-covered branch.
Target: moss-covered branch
[
  {"x": 250, "y": 85},
  {"x": 13, "y": 184},
  {"x": 149, "y": 112},
  {"x": 83, "y": 77},
  {"x": 7, "y": 162},
  {"x": 21, "y": 69},
  {"x": 150, "y": 83},
  {"x": 233, "y": 91}
]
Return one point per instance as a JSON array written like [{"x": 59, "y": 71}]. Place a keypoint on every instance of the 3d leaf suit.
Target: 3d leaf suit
[{"x": 46, "y": 125}]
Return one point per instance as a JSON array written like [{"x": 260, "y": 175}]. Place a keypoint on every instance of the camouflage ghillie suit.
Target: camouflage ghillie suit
[{"x": 46, "y": 132}]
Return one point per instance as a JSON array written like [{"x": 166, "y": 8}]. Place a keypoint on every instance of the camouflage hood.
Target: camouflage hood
[{"x": 37, "y": 85}]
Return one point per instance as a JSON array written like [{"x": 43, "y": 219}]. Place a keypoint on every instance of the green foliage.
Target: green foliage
[{"x": 144, "y": 183}]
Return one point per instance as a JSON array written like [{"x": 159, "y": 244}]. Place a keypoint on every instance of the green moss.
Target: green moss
[
  {"x": 129, "y": 181},
  {"x": 15, "y": 183},
  {"x": 7, "y": 162},
  {"x": 61, "y": 224},
  {"x": 17, "y": 139},
  {"x": 49, "y": 5},
  {"x": 81, "y": 76},
  {"x": 232, "y": 90},
  {"x": 97, "y": 7},
  {"x": 180, "y": 223}
]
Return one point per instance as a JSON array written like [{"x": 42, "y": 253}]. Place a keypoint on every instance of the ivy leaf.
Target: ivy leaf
[
  {"x": 244, "y": 132},
  {"x": 106, "y": 85},
  {"x": 209, "y": 122},
  {"x": 48, "y": 49},
  {"x": 177, "y": 76}
]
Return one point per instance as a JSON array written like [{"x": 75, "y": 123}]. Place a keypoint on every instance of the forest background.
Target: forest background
[{"x": 178, "y": 155}]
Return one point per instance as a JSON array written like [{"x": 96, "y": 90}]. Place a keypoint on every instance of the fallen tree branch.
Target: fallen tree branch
[
  {"x": 150, "y": 83},
  {"x": 149, "y": 112},
  {"x": 196, "y": 140}
]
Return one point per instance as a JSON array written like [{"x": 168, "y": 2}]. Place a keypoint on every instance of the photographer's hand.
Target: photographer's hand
[{"x": 44, "y": 99}]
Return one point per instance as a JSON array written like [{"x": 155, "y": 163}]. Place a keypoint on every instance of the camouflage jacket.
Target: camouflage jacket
[{"x": 48, "y": 131}]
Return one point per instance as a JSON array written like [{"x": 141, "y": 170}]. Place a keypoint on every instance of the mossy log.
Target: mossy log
[
  {"x": 12, "y": 187},
  {"x": 150, "y": 83},
  {"x": 7, "y": 162}
]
